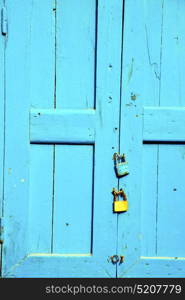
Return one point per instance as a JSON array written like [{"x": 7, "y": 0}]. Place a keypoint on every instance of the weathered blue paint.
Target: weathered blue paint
[
  {"x": 63, "y": 126},
  {"x": 164, "y": 124},
  {"x": 65, "y": 98},
  {"x": 78, "y": 89},
  {"x": 152, "y": 135}
]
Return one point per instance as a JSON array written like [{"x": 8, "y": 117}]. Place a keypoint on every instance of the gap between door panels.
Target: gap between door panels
[
  {"x": 120, "y": 120},
  {"x": 55, "y": 106},
  {"x": 2, "y": 131}
]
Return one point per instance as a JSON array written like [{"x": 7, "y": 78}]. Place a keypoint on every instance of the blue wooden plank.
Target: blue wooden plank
[
  {"x": 55, "y": 265},
  {"x": 42, "y": 54},
  {"x": 173, "y": 47},
  {"x": 152, "y": 26},
  {"x": 62, "y": 126},
  {"x": 40, "y": 200},
  {"x": 164, "y": 124},
  {"x": 171, "y": 156},
  {"x": 173, "y": 61},
  {"x": 171, "y": 208},
  {"x": 42, "y": 61},
  {"x": 148, "y": 201},
  {"x": 59, "y": 266},
  {"x": 156, "y": 267},
  {"x": 75, "y": 53},
  {"x": 17, "y": 134},
  {"x": 154, "y": 189},
  {"x": 72, "y": 224},
  {"x": 107, "y": 132},
  {"x": 140, "y": 86},
  {"x": 107, "y": 97}
]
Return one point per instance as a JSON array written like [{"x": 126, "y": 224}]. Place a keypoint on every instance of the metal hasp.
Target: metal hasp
[
  {"x": 119, "y": 206},
  {"x": 120, "y": 164}
]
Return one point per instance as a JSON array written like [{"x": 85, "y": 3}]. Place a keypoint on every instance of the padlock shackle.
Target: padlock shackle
[
  {"x": 123, "y": 194},
  {"x": 118, "y": 157},
  {"x": 119, "y": 193}
]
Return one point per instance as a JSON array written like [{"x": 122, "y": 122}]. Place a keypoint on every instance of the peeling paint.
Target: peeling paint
[{"x": 130, "y": 72}]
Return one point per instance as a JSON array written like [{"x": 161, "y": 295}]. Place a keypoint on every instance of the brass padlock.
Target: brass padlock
[
  {"x": 119, "y": 205},
  {"x": 120, "y": 164}
]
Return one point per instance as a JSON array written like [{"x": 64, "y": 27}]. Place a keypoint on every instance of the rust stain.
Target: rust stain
[{"x": 134, "y": 96}]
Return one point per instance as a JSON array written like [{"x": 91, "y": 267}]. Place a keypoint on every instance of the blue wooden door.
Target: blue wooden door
[
  {"x": 151, "y": 234},
  {"x": 84, "y": 79},
  {"x": 62, "y": 61}
]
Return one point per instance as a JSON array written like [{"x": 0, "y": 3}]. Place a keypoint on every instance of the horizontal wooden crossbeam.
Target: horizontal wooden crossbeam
[
  {"x": 164, "y": 124},
  {"x": 62, "y": 126}
]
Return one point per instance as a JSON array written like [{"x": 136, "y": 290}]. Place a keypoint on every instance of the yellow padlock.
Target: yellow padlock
[{"x": 119, "y": 205}]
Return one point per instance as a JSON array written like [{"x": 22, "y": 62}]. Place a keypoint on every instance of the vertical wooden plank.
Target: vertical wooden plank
[
  {"x": 75, "y": 50},
  {"x": 42, "y": 57},
  {"x": 151, "y": 35},
  {"x": 173, "y": 47},
  {"x": 171, "y": 208},
  {"x": 108, "y": 77},
  {"x": 42, "y": 53},
  {"x": 140, "y": 86},
  {"x": 73, "y": 199},
  {"x": 17, "y": 134},
  {"x": 75, "y": 72},
  {"x": 2, "y": 82},
  {"x": 148, "y": 201},
  {"x": 171, "y": 157},
  {"x": 107, "y": 127},
  {"x": 107, "y": 133},
  {"x": 153, "y": 29},
  {"x": 40, "y": 202}
]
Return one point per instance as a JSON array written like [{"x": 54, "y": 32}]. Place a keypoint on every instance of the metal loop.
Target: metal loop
[{"x": 115, "y": 259}]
